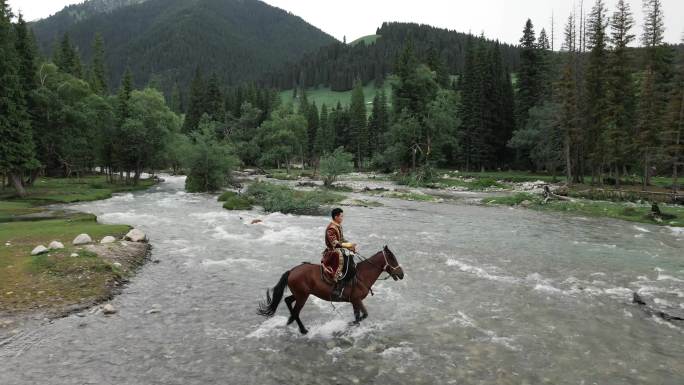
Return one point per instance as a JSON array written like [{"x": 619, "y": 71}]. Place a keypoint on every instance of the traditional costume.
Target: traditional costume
[{"x": 336, "y": 249}]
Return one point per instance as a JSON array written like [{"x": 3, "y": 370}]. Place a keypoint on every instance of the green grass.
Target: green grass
[
  {"x": 326, "y": 96},
  {"x": 54, "y": 279},
  {"x": 367, "y": 40},
  {"x": 69, "y": 190},
  {"x": 276, "y": 198},
  {"x": 623, "y": 211}
]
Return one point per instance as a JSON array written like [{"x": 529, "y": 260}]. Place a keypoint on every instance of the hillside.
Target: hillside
[
  {"x": 337, "y": 65},
  {"x": 237, "y": 39},
  {"x": 325, "y": 95}
]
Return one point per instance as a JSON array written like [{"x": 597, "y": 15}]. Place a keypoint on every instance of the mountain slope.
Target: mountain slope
[
  {"x": 338, "y": 65},
  {"x": 239, "y": 40}
]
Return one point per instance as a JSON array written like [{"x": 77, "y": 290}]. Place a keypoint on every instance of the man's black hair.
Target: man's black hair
[{"x": 336, "y": 212}]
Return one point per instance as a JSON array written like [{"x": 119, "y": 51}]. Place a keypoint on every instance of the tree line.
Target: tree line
[{"x": 601, "y": 109}]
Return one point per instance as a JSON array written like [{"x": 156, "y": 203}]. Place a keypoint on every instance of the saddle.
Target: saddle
[{"x": 348, "y": 270}]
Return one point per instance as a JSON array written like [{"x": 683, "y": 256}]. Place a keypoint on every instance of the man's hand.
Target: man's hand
[{"x": 353, "y": 247}]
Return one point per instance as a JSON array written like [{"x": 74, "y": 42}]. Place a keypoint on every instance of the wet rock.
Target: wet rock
[
  {"x": 108, "y": 239},
  {"x": 74, "y": 255},
  {"x": 82, "y": 239},
  {"x": 136, "y": 235},
  {"x": 55, "y": 245},
  {"x": 156, "y": 260},
  {"x": 526, "y": 203},
  {"x": 108, "y": 309},
  {"x": 40, "y": 249},
  {"x": 116, "y": 264},
  {"x": 255, "y": 221}
]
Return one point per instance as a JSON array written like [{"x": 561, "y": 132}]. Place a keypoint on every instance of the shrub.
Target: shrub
[
  {"x": 335, "y": 164},
  {"x": 237, "y": 203},
  {"x": 226, "y": 195},
  {"x": 275, "y": 198}
]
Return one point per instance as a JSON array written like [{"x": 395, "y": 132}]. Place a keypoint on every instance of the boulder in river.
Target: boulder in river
[
  {"x": 82, "y": 239},
  {"x": 55, "y": 245},
  {"x": 108, "y": 239},
  {"x": 136, "y": 235},
  {"x": 40, "y": 249},
  {"x": 108, "y": 309}
]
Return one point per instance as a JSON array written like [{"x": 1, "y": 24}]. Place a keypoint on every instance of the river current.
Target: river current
[{"x": 492, "y": 295}]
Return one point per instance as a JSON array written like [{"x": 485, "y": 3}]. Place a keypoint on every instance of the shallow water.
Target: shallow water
[{"x": 491, "y": 295}]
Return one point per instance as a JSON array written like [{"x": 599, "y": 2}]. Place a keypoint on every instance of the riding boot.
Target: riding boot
[{"x": 337, "y": 291}]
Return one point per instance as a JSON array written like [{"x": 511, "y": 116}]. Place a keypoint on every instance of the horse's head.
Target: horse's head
[{"x": 392, "y": 266}]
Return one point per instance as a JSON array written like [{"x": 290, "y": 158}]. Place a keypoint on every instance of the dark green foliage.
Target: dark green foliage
[
  {"x": 237, "y": 203},
  {"x": 197, "y": 106},
  {"x": 335, "y": 164},
  {"x": 209, "y": 162},
  {"x": 16, "y": 146},
  {"x": 277, "y": 198},
  {"x": 339, "y": 65},
  {"x": 529, "y": 77},
  {"x": 98, "y": 73},
  {"x": 358, "y": 124},
  {"x": 486, "y": 108},
  {"x": 242, "y": 39}
]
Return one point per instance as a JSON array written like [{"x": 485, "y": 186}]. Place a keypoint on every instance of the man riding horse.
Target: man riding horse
[{"x": 338, "y": 256}]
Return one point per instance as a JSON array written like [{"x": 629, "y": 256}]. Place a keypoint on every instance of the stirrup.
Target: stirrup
[{"x": 337, "y": 291}]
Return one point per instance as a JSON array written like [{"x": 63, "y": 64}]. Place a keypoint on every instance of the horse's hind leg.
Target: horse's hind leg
[
  {"x": 288, "y": 302},
  {"x": 299, "y": 304}
]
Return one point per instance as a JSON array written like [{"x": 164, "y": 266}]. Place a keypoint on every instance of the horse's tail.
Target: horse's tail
[{"x": 268, "y": 308}]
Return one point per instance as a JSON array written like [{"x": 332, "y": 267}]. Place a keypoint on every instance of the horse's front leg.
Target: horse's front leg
[
  {"x": 357, "y": 305},
  {"x": 364, "y": 312}
]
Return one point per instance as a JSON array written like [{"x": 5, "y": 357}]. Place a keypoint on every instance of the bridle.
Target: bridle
[{"x": 384, "y": 268}]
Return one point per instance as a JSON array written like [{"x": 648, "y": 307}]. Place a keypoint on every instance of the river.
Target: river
[{"x": 491, "y": 296}]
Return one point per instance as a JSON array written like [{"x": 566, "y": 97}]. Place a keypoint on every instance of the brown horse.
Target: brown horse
[{"x": 306, "y": 279}]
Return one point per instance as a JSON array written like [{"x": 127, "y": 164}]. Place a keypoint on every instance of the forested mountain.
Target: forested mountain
[
  {"x": 338, "y": 65},
  {"x": 168, "y": 39}
]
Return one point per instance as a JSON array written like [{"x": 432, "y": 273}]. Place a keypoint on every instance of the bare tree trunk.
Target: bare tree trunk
[
  {"x": 15, "y": 178},
  {"x": 568, "y": 162},
  {"x": 677, "y": 141}
]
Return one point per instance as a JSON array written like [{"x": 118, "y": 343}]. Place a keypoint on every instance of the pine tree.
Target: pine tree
[
  {"x": 196, "y": 104},
  {"x": 651, "y": 104},
  {"x": 26, "y": 49},
  {"x": 620, "y": 128},
  {"x": 674, "y": 131},
  {"x": 529, "y": 75},
  {"x": 213, "y": 101},
  {"x": 17, "y": 153},
  {"x": 176, "y": 103},
  {"x": 358, "y": 123},
  {"x": 67, "y": 59},
  {"x": 596, "y": 102},
  {"x": 567, "y": 97},
  {"x": 98, "y": 74},
  {"x": 313, "y": 123},
  {"x": 321, "y": 143}
]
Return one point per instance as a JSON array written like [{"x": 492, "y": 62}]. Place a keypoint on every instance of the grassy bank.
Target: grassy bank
[
  {"x": 56, "y": 280},
  {"x": 624, "y": 211}
]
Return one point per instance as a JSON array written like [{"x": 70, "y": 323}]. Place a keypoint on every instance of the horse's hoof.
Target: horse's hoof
[
  {"x": 355, "y": 323},
  {"x": 303, "y": 331}
]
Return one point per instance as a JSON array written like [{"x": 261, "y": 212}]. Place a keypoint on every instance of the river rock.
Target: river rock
[
  {"x": 526, "y": 203},
  {"x": 82, "y": 239},
  {"x": 136, "y": 235},
  {"x": 108, "y": 309},
  {"x": 73, "y": 255},
  {"x": 108, "y": 239},
  {"x": 117, "y": 264},
  {"x": 255, "y": 221},
  {"x": 54, "y": 245},
  {"x": 40, "y": 249}
]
